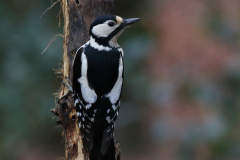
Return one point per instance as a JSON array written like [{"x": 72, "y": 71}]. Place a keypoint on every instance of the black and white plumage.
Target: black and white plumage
[{"x": 97, "y": 83}]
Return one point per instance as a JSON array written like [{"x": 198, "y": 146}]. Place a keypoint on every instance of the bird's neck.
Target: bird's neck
[
  {"x": 105, "y": 41},
  {"x": 99, "y": 44},
  {"x": 113, "y": 42}
]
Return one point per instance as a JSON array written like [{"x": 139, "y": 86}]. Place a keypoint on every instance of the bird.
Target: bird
[{"x": 98, "y": 74}]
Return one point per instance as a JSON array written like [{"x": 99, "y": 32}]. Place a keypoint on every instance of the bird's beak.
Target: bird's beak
[{"x": 128, "y": 22}]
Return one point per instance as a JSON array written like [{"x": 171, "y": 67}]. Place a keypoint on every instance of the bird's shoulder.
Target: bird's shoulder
[
  {"x": 95, "y": 48},
  {"x": 81, "y": 49}
]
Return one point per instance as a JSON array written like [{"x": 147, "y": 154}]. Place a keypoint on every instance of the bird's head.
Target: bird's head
[{"x": 105, "y": 30}]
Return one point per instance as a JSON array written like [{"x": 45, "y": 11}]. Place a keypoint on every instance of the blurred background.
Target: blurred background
[{"x": 181, "y": 95}]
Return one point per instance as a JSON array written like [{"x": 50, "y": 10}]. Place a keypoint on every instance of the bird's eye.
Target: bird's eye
[{"x": 111, "y": 24}]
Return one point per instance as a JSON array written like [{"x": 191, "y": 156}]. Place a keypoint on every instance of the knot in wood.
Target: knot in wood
[{"x": 64, "y": 109}]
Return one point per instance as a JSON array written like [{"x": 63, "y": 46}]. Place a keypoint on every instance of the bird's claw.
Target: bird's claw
[{"x": 68, "y": 84}]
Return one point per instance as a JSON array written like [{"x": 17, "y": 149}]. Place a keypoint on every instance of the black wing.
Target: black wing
[{"x": 84, "y": 121}]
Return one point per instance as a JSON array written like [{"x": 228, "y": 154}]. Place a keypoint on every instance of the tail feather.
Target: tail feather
[
  {"x": 110, "y": 153},
  {"x": 106, "y": 140},
  {"x": 98, "y": 144},
  {"x": 95, "y": 153}
]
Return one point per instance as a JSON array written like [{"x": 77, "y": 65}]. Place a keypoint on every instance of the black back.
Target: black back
[{"x": 102, "y": 71}]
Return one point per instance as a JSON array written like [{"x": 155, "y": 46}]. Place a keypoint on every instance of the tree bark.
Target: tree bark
[{"x": 78, "y": 15}]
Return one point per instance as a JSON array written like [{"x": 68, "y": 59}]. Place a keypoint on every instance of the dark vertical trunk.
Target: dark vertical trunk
[{"x": 78, "y": 15}]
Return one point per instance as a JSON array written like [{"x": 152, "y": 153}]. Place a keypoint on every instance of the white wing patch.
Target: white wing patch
[
  {"x": 88, "y": 94},
  {"x": 115, "y": 92}
]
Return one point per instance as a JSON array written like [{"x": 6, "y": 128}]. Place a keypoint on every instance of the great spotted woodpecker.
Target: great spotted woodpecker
[{"x": 97, "y": 83}]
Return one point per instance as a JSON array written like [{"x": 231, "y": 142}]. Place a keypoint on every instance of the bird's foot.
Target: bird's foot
[{"x": 68, "y": 84}]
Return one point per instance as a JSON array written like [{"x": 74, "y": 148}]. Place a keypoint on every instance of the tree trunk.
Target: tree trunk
[{"x": 78, "y": 15}]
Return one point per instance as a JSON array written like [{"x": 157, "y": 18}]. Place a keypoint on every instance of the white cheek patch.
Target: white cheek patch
[{"x": 103, "y": 30}]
